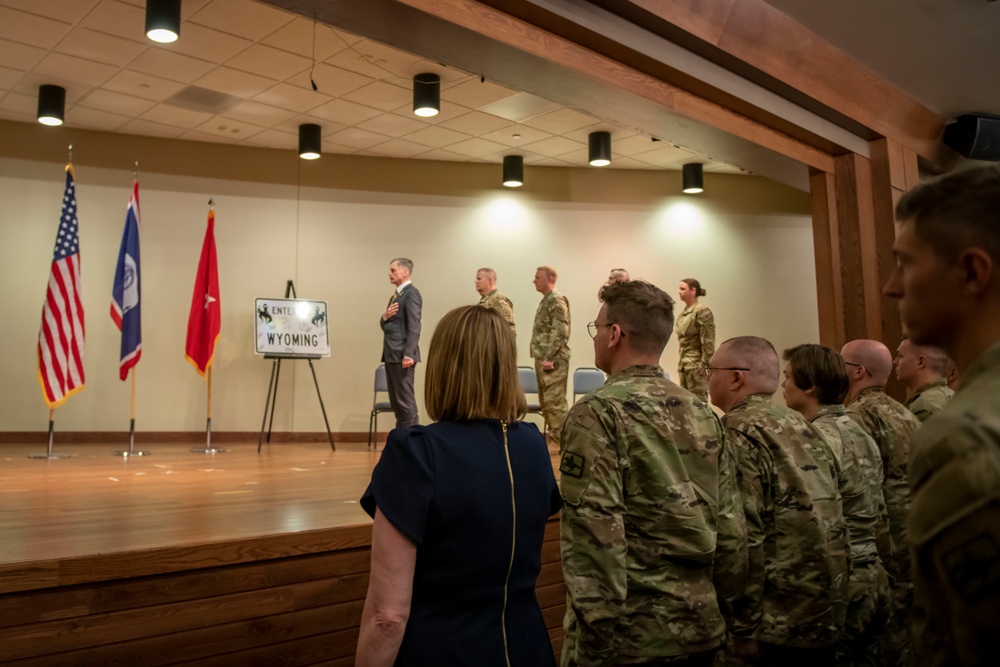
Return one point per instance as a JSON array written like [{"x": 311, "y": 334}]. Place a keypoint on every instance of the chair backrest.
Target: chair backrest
[
  {"x": 529, "y": 381},
  {"x": 381, "y": 384},
  {"x": 586, "y": 380}
]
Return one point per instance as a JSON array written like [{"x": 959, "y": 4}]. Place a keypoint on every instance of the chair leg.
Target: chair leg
[
  {"x": 371, "y": 419},
  {"x": 375, "y": 440}
]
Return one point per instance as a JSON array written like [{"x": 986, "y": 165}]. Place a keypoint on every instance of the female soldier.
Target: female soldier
[{"x": 695, "y": 329}]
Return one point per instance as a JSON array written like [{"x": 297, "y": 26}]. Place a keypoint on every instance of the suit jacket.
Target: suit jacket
[{"x": 401, "y": 334}]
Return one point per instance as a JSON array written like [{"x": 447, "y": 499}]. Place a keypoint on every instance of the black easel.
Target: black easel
[{"x": 272, "y": 387}]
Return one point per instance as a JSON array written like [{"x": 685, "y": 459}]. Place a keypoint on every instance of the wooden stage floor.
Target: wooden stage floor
[
  {"x": 94, "y": 502},
  {"x": 179, "y": 557}
]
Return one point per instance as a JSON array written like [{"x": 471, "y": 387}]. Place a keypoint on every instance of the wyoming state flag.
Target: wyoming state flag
[
  {"x": 205, "y": 318},
  {"x": 125, "y": 293}
]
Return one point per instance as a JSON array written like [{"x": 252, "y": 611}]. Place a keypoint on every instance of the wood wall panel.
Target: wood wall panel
[
  {"x": 755, "y": 33},
  {"x": 292, "y": 605},
  {"x": 826, "y": 246}
]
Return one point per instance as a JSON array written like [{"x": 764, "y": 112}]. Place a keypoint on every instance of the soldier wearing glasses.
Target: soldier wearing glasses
[
  {"x": 653, "y": 534},
  {"x": 892, "y": 426},
  {"x": 795, "y": 601}
]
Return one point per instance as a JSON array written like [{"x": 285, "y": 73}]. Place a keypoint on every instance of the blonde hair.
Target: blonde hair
[
  {"x": 472, "y": 368},
  {"x": 550, "y": 272}
]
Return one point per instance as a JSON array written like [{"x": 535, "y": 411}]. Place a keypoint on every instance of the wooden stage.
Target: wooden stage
[{"x": 178, "y": 557}]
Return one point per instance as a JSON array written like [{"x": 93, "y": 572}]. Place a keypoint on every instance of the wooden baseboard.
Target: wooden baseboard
[{"x": 91, "y": 437}]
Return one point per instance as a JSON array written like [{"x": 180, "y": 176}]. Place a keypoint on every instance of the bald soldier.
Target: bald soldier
[
  {"x": 617, "y": 276},
  {"x": 549, "y": 348},
  {"x": 652, "y": 531},
  {"x": 921, "y": 369},
  {"x": 947, "y": 278},
  {"x": 486, "y": 285},
  {"x": 815, "y": 386},
  {"x": 892, "y": 426},
  {"x": 793, "y": 608}
]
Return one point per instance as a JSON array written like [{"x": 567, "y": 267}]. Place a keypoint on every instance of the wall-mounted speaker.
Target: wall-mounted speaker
[{"x": 975, "y": 136}]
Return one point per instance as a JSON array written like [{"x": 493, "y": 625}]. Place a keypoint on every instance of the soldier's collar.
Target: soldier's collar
[{"x": 987, "y": 360}]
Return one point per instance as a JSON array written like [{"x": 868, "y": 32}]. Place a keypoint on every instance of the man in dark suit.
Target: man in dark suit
[{"x": 401, "y": 335}]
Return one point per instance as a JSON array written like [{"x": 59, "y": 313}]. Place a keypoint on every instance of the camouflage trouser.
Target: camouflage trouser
[
  {"x": 867, "y": 615},
  {"x": 552, "y": 397},
  {"x": 896, "y": 646},
  {"x": 694, "y": 382}
]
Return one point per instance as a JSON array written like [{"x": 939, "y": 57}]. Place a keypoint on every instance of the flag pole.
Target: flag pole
[
  {"x": 208, "y": 448},
  {"x": 208, "y": 412},
  {"x": 49, "y": 454},
  {"x": 131, "y": 426}
]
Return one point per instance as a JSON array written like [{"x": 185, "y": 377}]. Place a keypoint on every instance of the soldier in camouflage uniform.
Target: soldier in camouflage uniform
[
  {"x": 486, "y": 285},
  {"x": 652, "y": 530},
  {"x": 815, "y": 385},
  {"x": 549, "y": 348},
  {"x": 695, "y": 329},
  {"x": 795, "y": 601},
  {"x": 948, "y": 254},
  {"x": 892, "y": 427},
  {"x": 921, "y": 369}
]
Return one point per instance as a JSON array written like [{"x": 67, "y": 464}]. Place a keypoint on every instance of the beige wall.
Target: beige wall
[{"x": 748, "y": 240}]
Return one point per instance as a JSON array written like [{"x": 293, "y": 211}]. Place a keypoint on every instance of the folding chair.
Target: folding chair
[
  {"x": 586, "y": 380},
  {"x": 381, "y": 385},
  {"x": 529, "y": 385}
]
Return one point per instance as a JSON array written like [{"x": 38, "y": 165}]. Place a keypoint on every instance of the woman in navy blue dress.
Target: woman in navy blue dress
[{"x": 459, "y": 511}]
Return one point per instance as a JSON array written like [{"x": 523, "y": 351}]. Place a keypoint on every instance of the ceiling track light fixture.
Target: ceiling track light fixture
[
  {"x": 513, "y": 171},
  {"x": 51, "y": 104},
  {"x": 163, "y": 20},
  {"x": 310, "y": 141},
  {"x": 426, "y": 95},
  {"x": 600, "y": 149},
  {"x": 693, "y": 178}
]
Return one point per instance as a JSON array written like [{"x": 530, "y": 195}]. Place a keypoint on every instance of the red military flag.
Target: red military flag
[
  {"x": 61, "y": 337},
  {"x": 205, "y": 319}
]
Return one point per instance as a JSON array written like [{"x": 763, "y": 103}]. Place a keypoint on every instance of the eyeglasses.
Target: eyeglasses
[
  {"x": 593, "y": 326},
  {"x": 849, "y": 363},
  {"x": 707, "y": 371}
]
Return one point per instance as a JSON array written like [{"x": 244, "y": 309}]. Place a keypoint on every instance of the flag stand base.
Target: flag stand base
[
  {"x": 49, "y": 456},
  {"x": 126, "y": 453},
  {"x": 208, "y": 448}
]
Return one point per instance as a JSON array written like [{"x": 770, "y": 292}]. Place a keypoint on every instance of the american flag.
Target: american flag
[{"x": 61, "y": 338}]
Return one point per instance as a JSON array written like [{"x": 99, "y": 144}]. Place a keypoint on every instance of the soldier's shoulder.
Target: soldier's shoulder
[{"x": 960, "y": 449}]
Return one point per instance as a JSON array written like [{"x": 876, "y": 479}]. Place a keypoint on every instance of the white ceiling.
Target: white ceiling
[{"x": 116, "y": 80}]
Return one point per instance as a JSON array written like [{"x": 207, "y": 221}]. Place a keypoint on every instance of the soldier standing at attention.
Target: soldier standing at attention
[
  {"x": 815, "y": 386},
  {"x": 892, "y": 427},
  {"x": 549, "y": 348},
  {"x": 486, "y": 285},
  {"x": 921, "y": 369},
  {"x": 618, "y": 276},
  {"x": 695, "y": 329},
  {"x": 652, "y": 531},
  {"x": 947, "y": 278},
  {"x": 795, "y": 600}
]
